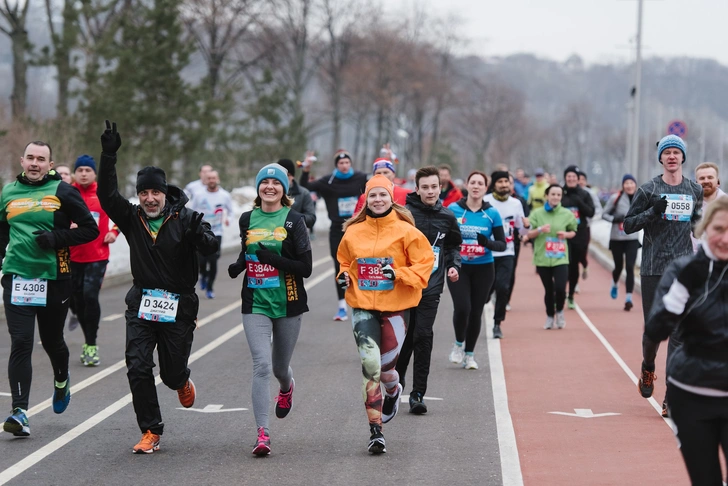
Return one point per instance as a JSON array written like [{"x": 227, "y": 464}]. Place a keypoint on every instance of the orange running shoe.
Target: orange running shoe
[
  {"x": 646, "y": 385},
  {"x": 186, "y": 394},
  {"x": 148, "y": 444}
]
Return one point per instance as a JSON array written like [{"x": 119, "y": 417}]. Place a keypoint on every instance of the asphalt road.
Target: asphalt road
[{"x": 322, "y": 441}]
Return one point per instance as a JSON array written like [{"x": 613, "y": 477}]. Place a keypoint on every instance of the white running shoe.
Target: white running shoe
[
  {"x": 508, "y": 307},
  {"x": 457, "y": 354},
  {"x": 549, "y": 323},
  {"x": 469, "y": 362},
  {"x": 560, "y": 320},
  {"x": 577, "y": 290}
]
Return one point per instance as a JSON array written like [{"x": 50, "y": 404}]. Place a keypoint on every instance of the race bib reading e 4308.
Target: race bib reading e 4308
[
  {"x": 555, "y": 248},
  {"x": 370, "y": 276},
  {"x": 261, "y": 275},
  {"x": 158, "y": 305},
  {"x": 679, "y": 207},
  {"x": 29, "y": 291}
]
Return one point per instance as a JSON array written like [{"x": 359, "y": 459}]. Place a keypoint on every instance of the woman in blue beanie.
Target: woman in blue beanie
[{"x": 276, "y": 256}]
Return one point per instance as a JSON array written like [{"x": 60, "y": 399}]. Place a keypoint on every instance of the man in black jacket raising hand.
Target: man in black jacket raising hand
[{"x": 164, "y": 237}]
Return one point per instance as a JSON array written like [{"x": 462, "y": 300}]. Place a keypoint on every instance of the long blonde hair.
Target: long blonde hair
[
  {"x": 403, "y": 213},
  {"x": 720, "y": 204}
]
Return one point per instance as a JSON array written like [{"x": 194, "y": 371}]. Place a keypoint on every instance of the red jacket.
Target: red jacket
[
  {"x": 400, "y": 197},
  {"x": 453, "y": 194},
  {"x": 96, "y": 250}
]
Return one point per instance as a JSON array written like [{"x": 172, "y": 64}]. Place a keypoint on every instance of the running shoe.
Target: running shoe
[
  {"x": 457, "y": 354},
  {"x": 571, "y": 303},
  {"x": 577, "y": 290},
  {"x": 210, "y": 294},
  {"x": 614, "y": 291},
  {"x": 628, "y": 305},
  {"x": 469, "y": 362},
  {"x": 560, "y": 320},
  {"x": 585, "y": 273},
  {"x": 497, "y": 333},
  {"x": 376, "y": 440},
  {"x": 149, "y": 443},
  {"x": 341, "y": 315},
  {"x": 262, "y": 444},
  {"x": 508, "y": 307},
  {"x": 284, "y": 401},
  {"x": 391, "y": 405},
  {"x": 203, "y": 283},
  {"x": 17, "y": 424},
  {"x": 665, "y": 411},
  {"x": 90, "y": 356},
  {"x": 549, "y": 323},
  {"x": 71, "y": 320},
  {"x": 83, "y": 352},
  {"x": 417, "y": 406},
  {"x": 646, "y": 385},
  {"x": 62, "y": 396},
  {"x": 187, "y": 394}
]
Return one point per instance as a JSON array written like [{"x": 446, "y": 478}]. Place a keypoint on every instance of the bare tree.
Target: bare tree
[{"x": 15, "y": 16}]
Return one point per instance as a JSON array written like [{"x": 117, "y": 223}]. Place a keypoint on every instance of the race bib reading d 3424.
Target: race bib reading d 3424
[{"x": 158, "y": 305}]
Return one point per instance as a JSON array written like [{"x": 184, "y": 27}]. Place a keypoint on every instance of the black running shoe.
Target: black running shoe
[
  {"x": 391, "y": 405},
  {"x": 416, "y": 404},
  {"x": 497, "y": 333},
  {"x": 376, "y": 440},
  {"x": 646, "y": 384}
]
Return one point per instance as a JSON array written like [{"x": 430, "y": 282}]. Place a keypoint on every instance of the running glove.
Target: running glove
[
  {"x": 618, "y": 218},
  {"x": 235, "y": 269},
  {"x": 388, "y": 272},
  {"x": 195, "y": 229},
  {"x": 45, "y": 239},
  {"x": 660, "y": 206},
  {"x": 694, "y": 275},
  {"x": 341, "y": 281},
  {"x": 484, "y": 241},
  {"x": 264, "y": 255},
  {"x": 110, "y": 139}
]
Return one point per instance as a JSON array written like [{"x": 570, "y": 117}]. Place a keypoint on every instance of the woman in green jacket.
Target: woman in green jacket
[{"x": 551, "y": 226}]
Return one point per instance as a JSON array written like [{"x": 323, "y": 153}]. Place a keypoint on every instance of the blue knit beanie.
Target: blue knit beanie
[
  {"x": 85, "y": 161},
  {"x": 273, "y": 171},
  {"x": 671, "y": 141},
  {"x": 628, "y": 177}
]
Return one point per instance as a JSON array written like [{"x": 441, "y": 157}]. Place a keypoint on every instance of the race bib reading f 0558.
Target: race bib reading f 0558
[
  {"x": 679, "y": 207},
  {"x": 158, "y": 305},
  {"x": 29, "y": 291}
]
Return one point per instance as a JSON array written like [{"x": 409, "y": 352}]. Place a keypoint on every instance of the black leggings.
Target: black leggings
[
  {"x": 577, "y": 255},
  {"x": 86, "y": 280},
  {"x": 554, "y": 284},
  {"x": 21, "y": 326},
  {"x": 622, "y": 250},
  {"x": 469, "y": 295},
  {"x": 208, "y": 265},
  {"x": 702, "y": 428},
  {"x": 335, "y": 236}
]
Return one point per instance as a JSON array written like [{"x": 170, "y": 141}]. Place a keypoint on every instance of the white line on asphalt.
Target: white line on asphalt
[
  {"x": 37, "y": 456},
  {"x": 510, "y": 462},
  {"x": 620, "y": 362},
  {"x": 5, "y": 394},
  {"x": 112, "y": 317},
  {"x": 320, "y": 261},
  {"x": 320, "y": 278}
]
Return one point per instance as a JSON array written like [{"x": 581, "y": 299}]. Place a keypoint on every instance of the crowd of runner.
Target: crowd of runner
[{"x": 394, "y": 245}]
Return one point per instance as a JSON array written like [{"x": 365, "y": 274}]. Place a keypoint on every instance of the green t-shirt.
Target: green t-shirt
[
  {"x": 269, "y": 290},
  {"x": 548, "y": 250}
]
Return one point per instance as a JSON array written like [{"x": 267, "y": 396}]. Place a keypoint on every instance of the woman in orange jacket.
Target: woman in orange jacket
[{"x": 385, "y": 264}]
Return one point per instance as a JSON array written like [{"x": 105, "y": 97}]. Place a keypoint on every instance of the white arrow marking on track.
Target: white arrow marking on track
[
  {"x": 585, "y": 413},
  {"x": 212, "y": 408}
]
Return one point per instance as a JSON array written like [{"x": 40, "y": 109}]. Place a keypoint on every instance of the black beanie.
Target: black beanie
[
  {"x": 572, "y": 168},
  {"x": 288, "y": 165},
  {"x": 499, "y": 174},
  {"x": 151, "y": 178}
]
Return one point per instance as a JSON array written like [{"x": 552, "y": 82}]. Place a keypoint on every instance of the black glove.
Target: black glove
[
  {"x": 45, "y": 239},
  {"x": 264, "y": 255},
  {"x": 694, "y": 275},
  {"x": 110, "y": 139},
  {"x": 660, "y": 206},
  {"x": 388, "y": 272},
  {"x": 235, "y": 269},
  {"x": 484, "y": 241},
  {"x": 341, "y": 281},
  {"x": 618, "y": 218},
  {"x": 195, "y": 228}
]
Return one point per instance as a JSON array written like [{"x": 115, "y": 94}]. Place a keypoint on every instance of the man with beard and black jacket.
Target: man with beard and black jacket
[
  {"x": 164, "y": 237},
  {"x": 440, "y": 227},
  {"x": 580, "y": 203}
]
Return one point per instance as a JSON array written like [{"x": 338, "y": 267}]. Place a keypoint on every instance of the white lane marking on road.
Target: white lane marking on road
[
  {"x": 585, "y": 413},
  {"x": 37, "y": 456},
  {"x": 112, "y": 317},
  {"x": 510, "y": 462},
  {"x": 621, "y": 363},
  {"x": 406, "y": 399},
  {"x": 212, "y": 408},
  {"x": 320, "y": 261},
  {"x": 121, "y": 364},
  {"x": 5, "y": 394},
  {"x": 315, "y": 281}
]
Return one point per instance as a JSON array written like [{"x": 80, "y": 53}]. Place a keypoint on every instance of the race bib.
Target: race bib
[
  {"x": 436, "y": 251},
  {"x": 370, "y": 274},
  {"x": 261, "y": 275},
  {"x": 555, "y": 248},
  {"x": 575, "y": 212},
  {"x": 347, "y": 205},
  {"x": 510, "y": 227},
  {"x": 471, "y": 250},
  {"x": 679, "y": 207},
  {"x": 96, "y": 217},
  {"x": 158, "y": 305},
  {"x": 29, "y": 291}
]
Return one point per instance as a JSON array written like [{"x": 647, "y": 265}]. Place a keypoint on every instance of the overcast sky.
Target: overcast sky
[{"x": 597, "y": 30}]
